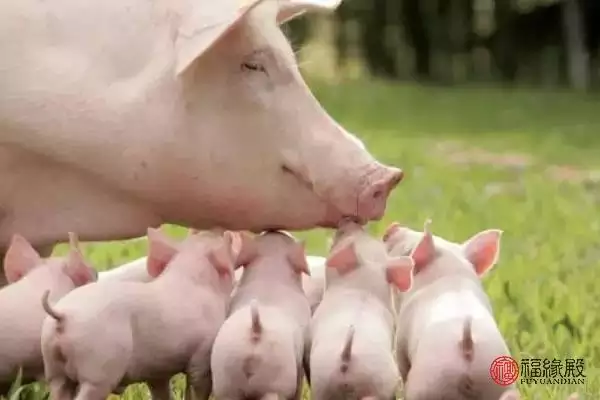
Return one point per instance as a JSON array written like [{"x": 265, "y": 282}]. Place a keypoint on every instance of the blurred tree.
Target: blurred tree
[
  {"x": 418, "y": 37},
  {"x": 380, "y": 59},
  {"x": 502, "y": 41},
  {"x": 576, "y": 50},
  {"x": 342, "y": 18}
]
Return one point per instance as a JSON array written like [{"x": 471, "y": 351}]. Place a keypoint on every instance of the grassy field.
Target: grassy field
[{"x": 478, "y": 158}]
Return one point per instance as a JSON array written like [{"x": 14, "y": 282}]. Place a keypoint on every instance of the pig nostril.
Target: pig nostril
[{"x": 377, "y": 194}]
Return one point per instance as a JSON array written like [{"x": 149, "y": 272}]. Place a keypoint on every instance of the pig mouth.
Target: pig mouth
[
  {"x": 373, "y": 189},
  {"x": 333, "y": 214},
  {"x": 300, "y": 178}
]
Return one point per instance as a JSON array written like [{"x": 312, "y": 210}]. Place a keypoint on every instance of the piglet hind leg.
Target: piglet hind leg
[
  {"x": 91, "y": 391},
  {"x": 62, "y": 388},
  {"x": 3, "y": 281},
  {"x": 160, "y": 389},
  {"x": 299, "y": 383},
  {"x": 199, "y": 385}
]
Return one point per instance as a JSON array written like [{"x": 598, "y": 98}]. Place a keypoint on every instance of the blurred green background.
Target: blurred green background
[{"x": 490, "y": 109}]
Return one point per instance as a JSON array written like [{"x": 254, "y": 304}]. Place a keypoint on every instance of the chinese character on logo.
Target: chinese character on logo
[
  {"x": 525, "y": 368},
  {"x": 554, "y": 369},
  {"x": 579, "y": 368},
  {"x": 536, "y": 368}
]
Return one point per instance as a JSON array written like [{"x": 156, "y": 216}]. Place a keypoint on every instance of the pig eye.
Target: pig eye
[{"x": 253, "y": 66}]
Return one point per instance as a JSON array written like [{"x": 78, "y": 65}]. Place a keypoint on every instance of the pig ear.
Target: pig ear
[
  {"x": 297, "y": 257},
  {"x": 161, "y": 249},
  {"x": 20, "y": 258},
  {"x": 244, "y": 249},
  {"x": 399, "y": 272},
  {"x": 390, "y": 231},
  {"x": 424, "y": 253},
  {"x": 289, "y": 9},
  {"x": 203, "y": 23},
  {"x": 344, "y": 258},
  {"x": 76, "y": 267},
  {"x": 482, "y": 250}
]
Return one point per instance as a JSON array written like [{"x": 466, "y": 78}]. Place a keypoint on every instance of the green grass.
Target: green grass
[{"x": 545, "y": 289}]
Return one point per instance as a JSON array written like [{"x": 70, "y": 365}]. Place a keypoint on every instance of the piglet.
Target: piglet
[
  {"x": 313, "y": 284},
  {"x": 21, "y": 312},
  {"x": 351, "y": 353},
  {"x": 258, "y": 351},
  {"x": 115, "y": 333},
  {"x": 447, "y": 338}
]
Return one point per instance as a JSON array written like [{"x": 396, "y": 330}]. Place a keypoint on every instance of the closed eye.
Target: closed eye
[{"x": 253, "y": 66}]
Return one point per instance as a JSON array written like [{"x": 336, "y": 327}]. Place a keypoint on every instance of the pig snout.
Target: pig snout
[{"x": 373, "y": 199}]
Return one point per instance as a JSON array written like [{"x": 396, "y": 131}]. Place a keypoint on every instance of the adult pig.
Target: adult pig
[
  {"x": 259, "y": 349},
  {"x": 149, "y": 331},
  {"x": 21, "y": 312},
  {"x": 447, "y": 297},
  {"x": 117, "y": 115},
  {"x": 351, "y": 353}
]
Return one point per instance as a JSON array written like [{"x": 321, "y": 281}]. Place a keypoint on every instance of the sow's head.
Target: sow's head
[{"x": 277, "y": 160}]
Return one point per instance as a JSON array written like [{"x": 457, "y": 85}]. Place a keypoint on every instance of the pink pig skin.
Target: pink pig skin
[
  {"x": 21, "y": 312},
  {"x": 352, "y": 329},
  {"x": 447, "y": 337},
  {"x": 111, "y": 334},
  {"x": 117, "y": 113},
  {"x": 258, "y": 351}
]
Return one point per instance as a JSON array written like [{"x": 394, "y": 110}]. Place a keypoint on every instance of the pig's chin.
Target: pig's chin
[{"x": 332, "y": 215}]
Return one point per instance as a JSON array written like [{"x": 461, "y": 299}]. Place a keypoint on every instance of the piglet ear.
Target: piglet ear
[
  {"x": 244, "y": 249},
  {"x": 482, "y": 250},
  {"x": 76, "y": 267},
  {"x": 390, "y": 231},
  {"x": 20, "y": 258},
  {"x": 221, "y": 258},
  {"x": 344, "y": 259},
  {"x": 161, "y": 250},
  {"x": 424, "y": 253},
  {"x": 297, "y": 257},
  {"x": 399, "y": 272}
]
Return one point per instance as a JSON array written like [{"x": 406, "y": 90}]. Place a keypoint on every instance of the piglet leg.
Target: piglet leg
[
  {"x": 61, "y": 389},
  {"x": 199, "y": 379},
  {"x": 90, "y": 391},
  {"x": 3, "y": 281},
  {"x": 299, "y": 382},
  {"x": 160, "y": 389}
]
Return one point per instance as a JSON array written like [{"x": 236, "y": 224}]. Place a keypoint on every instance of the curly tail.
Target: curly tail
[
  {"x": 466, "y": 343},
  {"x": 257, "y": 328},
  {"x": 59, "y": 317},
  {"x": 347, "y": 350}
]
